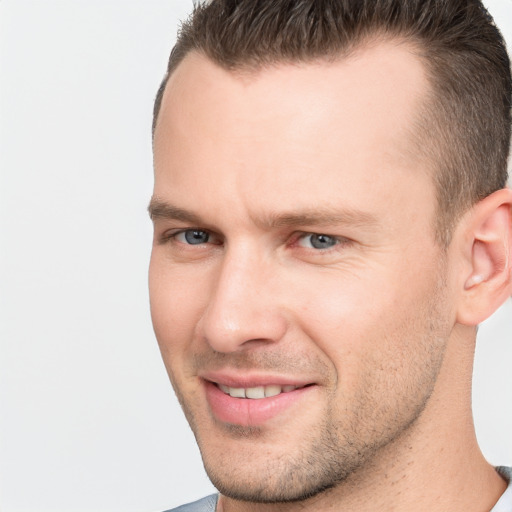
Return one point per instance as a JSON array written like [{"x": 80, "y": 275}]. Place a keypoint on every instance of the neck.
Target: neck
[{"x": 435, "y": 465}]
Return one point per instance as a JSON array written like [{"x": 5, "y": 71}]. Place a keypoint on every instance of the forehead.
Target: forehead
[
  {"x": 368, "y": 78},
  {"x": 339, "y": 128}
]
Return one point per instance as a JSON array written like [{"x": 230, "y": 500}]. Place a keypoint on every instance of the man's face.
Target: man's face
[{"x": 296, "y": 290}]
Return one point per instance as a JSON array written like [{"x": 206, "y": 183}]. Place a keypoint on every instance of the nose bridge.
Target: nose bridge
[{"x": 244, "y": 305}]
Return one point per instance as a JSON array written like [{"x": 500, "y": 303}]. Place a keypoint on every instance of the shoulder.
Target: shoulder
[
  {"x": 505, "y": 472},
  {"x": 504, "y": 504},
  {"x": 207, "y": 504}
]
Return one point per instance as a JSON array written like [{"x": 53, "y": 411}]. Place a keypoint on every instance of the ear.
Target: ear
[{"x": 486, "y": 279}]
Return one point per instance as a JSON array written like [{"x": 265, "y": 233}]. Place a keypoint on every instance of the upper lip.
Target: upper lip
[{"x": 251, "y": 380}]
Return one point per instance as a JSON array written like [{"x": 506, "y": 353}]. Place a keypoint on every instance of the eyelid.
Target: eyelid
[
  {"x": 215, "y": 239},
  {"x": 340, "y": 241},
  {"x": 311, "y": 235},
  {"x": 171, "y": 235}
]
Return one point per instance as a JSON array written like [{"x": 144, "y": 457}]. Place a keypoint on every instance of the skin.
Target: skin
[{"x": 259, "y": 162}]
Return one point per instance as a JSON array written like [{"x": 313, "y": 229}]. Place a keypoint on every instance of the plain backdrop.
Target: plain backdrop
[{"x": 88, "y": 421}]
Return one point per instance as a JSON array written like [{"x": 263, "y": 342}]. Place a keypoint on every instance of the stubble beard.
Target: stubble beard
[
  {"x": 320, "y": 465},
  {"x": 350, "y": 436},
  {"x": 323, "y": 462}
]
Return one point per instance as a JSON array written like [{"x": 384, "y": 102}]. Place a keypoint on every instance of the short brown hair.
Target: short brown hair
[{"x": 465, "y": 127}]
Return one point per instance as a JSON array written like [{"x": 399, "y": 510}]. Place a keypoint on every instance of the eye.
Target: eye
[
  {"x": 317, "y": 241},
  {"x": 193, "y": 237}
]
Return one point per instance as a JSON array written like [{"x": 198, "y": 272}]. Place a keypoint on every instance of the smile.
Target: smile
[
  {"x": 252, "y": 405},
  {"x": 258, "y": 392}
]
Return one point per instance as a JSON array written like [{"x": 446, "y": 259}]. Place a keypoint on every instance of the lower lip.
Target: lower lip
[{"x": 250, "y": 412}]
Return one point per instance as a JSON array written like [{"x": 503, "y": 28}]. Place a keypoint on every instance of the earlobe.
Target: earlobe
[{"x": 487, "y": 280}]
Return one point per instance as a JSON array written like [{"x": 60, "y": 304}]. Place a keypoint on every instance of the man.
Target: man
[{"x": 331, "y": 225}]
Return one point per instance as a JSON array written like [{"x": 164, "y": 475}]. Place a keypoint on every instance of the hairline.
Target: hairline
[{"x": 425, "y": 135}]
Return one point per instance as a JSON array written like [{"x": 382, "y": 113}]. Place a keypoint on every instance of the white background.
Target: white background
[{"x": 88, "y": 421}]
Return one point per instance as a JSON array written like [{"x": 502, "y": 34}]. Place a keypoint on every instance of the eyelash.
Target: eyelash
[
  {"x": 173, "y": 236},
  {"x": 296, "y": 239},
  {"x": 304, "y": 236}
]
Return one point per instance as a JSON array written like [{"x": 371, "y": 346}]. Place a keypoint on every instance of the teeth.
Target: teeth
[
  {"x": 237, "y": 392},
  {"x": 257, "y": 392},
  {"x": 272, "y": 390}
]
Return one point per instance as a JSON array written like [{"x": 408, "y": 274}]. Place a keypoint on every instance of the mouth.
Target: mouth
[
  {"x": 252, "y": 403},
  {"x": 258, "y": 392}
]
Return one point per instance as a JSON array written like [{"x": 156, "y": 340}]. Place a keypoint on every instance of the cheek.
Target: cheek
[
  {"x": 340, "y": 314},
  {"x": 177, "y": 297},
  {"x": 373, "y": 321}
]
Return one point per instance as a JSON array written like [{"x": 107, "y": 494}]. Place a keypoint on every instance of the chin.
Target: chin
[{"x": 246, "y": 470}]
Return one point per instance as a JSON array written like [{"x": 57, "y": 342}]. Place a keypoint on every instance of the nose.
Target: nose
[{"x": 244, "y": 308}]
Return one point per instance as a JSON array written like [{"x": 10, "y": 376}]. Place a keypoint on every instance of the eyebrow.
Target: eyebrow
[
  {"x": 159, "y": 209},
  {"x": 321, "y": 217}
]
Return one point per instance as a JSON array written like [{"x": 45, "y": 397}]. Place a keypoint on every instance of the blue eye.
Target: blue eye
[
  {"x": 193, "y": 237},
  {"x": 318, "y": 241}
]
